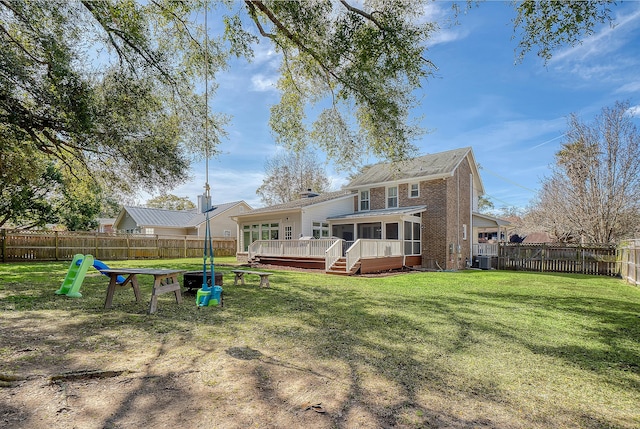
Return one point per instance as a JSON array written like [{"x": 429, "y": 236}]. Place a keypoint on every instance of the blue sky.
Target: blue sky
[{"x": 512, "y": 115}]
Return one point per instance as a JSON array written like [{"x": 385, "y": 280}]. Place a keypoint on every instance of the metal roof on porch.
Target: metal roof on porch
[{"x": 399, "y": 211}]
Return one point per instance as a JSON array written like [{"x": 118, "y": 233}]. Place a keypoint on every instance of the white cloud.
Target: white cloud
[
  {"x": 634, "y": 110},
  {"x": 446, "y": 36},
  {"x": 262, "y": 83},
  {"x": 608, "y": 40},
  {"x": 264, "y": 53},
  {"x": 225, "y": 186},
  {"x": 629, "y": 87}
]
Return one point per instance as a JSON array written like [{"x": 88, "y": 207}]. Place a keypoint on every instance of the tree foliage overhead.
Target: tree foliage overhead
[
  {"x": 550, "y": 24},
  {"x": 593, "y": 193},
  {"x": 290, "y": 173},
  {"x": 358, "y": 63},
  {"x": 111, "y": 89}
]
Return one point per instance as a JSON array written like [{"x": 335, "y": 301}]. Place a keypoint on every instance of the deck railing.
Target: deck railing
[
  {"x": 329, "y": 249},
  {"x": 291, "y": 248},
  {"x": 332, "y": 254},
  {"x": 485, "y": 249},
  {"x": 371, "y": 248}
]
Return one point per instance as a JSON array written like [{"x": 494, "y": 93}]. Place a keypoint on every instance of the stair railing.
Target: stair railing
[{"x": 332, "y": 254}]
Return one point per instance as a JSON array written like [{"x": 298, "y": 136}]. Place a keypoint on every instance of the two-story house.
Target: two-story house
[{"x": 418, "y": 213}]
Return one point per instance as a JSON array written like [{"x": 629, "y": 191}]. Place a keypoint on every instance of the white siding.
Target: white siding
[
  {"x": 320, "y": 213},
  {"x": 223, "y": 221},
  {"x": 127, "y": 224}
]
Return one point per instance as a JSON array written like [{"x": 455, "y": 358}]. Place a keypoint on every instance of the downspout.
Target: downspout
[
  {"x": 457, "y": 249},
  {"x": 470, "y": 234}
]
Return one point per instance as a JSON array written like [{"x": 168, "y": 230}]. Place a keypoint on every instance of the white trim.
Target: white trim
[
  {"x": 368, "y": 200},
  {"x": 411, "y": 184},
  {"x": 388, "y": 197}
]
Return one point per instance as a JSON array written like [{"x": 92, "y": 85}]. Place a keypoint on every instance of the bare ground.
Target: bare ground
[
  {"x": 162, "y": 382},
  {"x": 75, "y": 365}
]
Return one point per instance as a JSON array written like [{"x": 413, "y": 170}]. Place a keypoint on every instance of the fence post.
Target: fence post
[
  {"x": 95, "y": 237},
  {"x": 55, "y": 244},
  {"x": 185, "y": 247},
  {"x": 4, "y": 245}
]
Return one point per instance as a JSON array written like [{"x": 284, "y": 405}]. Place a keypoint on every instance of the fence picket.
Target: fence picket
[
  {"x": 565, "y": 258},
  {"x": 19, "y": 245}
]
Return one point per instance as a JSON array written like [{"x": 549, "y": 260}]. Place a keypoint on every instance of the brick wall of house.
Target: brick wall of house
[
  {"x": 460, "y": 214},
  {"x": 448, "y": 204},
  {"x": 377, "y": 198},
  {"x": 434, "y": 223}
]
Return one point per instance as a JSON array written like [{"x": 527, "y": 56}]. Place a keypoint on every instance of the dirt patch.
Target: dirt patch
[{"x": 156, "y": 385}]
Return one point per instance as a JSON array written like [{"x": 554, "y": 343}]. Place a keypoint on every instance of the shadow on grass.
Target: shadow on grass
[{"x": 406, "y": 339}]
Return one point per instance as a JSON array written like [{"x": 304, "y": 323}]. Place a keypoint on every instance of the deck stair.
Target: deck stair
[{"x": 339, "y": 268}]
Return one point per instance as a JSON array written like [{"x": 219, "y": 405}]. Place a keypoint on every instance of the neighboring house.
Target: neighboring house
[
  {"x": 105, "y": 224},
  {"x": 163, "y": 222},
  {"x": 420, "y": 213},
  {"x": 537, "y": 238}
]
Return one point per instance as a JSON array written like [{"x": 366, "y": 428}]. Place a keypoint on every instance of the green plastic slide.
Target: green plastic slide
[{"x": 75, "y": 276}]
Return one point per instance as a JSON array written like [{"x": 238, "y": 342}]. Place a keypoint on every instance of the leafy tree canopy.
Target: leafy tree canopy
[
  {"x": 170, "y": 202},
  {"x": 112, "y": 88}
]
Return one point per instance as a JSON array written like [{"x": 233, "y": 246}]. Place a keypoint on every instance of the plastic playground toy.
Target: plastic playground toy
[{"x": 77, "y": 272}]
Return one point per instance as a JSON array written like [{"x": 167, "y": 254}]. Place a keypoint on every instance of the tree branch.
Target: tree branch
[
  {"x": 21, "y": 47},
  {"x": 363, "y": 14}
]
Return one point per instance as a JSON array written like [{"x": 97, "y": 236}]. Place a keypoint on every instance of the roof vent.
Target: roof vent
[{"x": 308, "y": 194}]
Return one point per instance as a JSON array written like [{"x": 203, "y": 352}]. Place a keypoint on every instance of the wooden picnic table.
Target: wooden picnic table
[{"x": 164, "y": 281}]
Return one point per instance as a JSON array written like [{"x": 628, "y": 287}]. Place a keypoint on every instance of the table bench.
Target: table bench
[
  {"x": 164, "y": 281},
  {"x": 264, "y": 277}
]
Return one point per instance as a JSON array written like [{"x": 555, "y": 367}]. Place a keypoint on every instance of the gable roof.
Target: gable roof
[
  {"x": 152, "y": 217},
  {"x": 301, "y": 203},
  {"x": 426, "y": 167},
  {"x": 217, "y": 210}
]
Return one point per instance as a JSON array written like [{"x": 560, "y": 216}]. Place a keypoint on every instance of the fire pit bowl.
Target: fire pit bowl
[{"x": 193, "y": 280}]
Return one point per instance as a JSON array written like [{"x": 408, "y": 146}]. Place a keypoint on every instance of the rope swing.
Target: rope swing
[{"x": 210, "y": 294}]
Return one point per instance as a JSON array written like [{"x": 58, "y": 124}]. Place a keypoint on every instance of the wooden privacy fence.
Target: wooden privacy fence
[
  {"x": 563, "y": 258},
  {"x": 629, "y": 257},
  {"x": 34, "y": 246}
]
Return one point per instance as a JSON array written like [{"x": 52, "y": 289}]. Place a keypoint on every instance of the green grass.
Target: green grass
[{"x": 457, "y": 349}]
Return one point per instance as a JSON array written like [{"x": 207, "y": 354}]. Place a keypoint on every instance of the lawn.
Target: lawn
[{"x": 469, "y": 349}]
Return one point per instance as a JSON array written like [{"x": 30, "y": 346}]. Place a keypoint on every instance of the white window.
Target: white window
[
  {"x": 288, "y": 232},
  {"x": 414, "y": 190},
  {"x": 250, "y": 233},
  {"x": 364, "y": 200},
  {"x": 320, "y": 230},
  {"x": 392, "y": 197},
  {"x": 148, "y": 231},
  {"x": 270, "y": 231},
  {"x": 412, "y": 238},
  {"x": 464, "y": 231}
]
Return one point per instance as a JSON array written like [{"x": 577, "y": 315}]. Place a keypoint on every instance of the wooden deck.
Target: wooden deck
[{"x": 334, "y": 256}]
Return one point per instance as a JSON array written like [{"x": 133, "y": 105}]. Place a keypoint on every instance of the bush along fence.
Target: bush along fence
[
  {"x": 22, "y": 246},
  {"x": 561, "y": 258}
]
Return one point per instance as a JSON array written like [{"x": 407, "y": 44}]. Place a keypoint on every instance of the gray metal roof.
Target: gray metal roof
[
  {"x": 145, "y": 216},
  {"x": 383, "y": 212},
  {"x": 423, "y": 167},
  {"x": 301, "y": 202}
]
